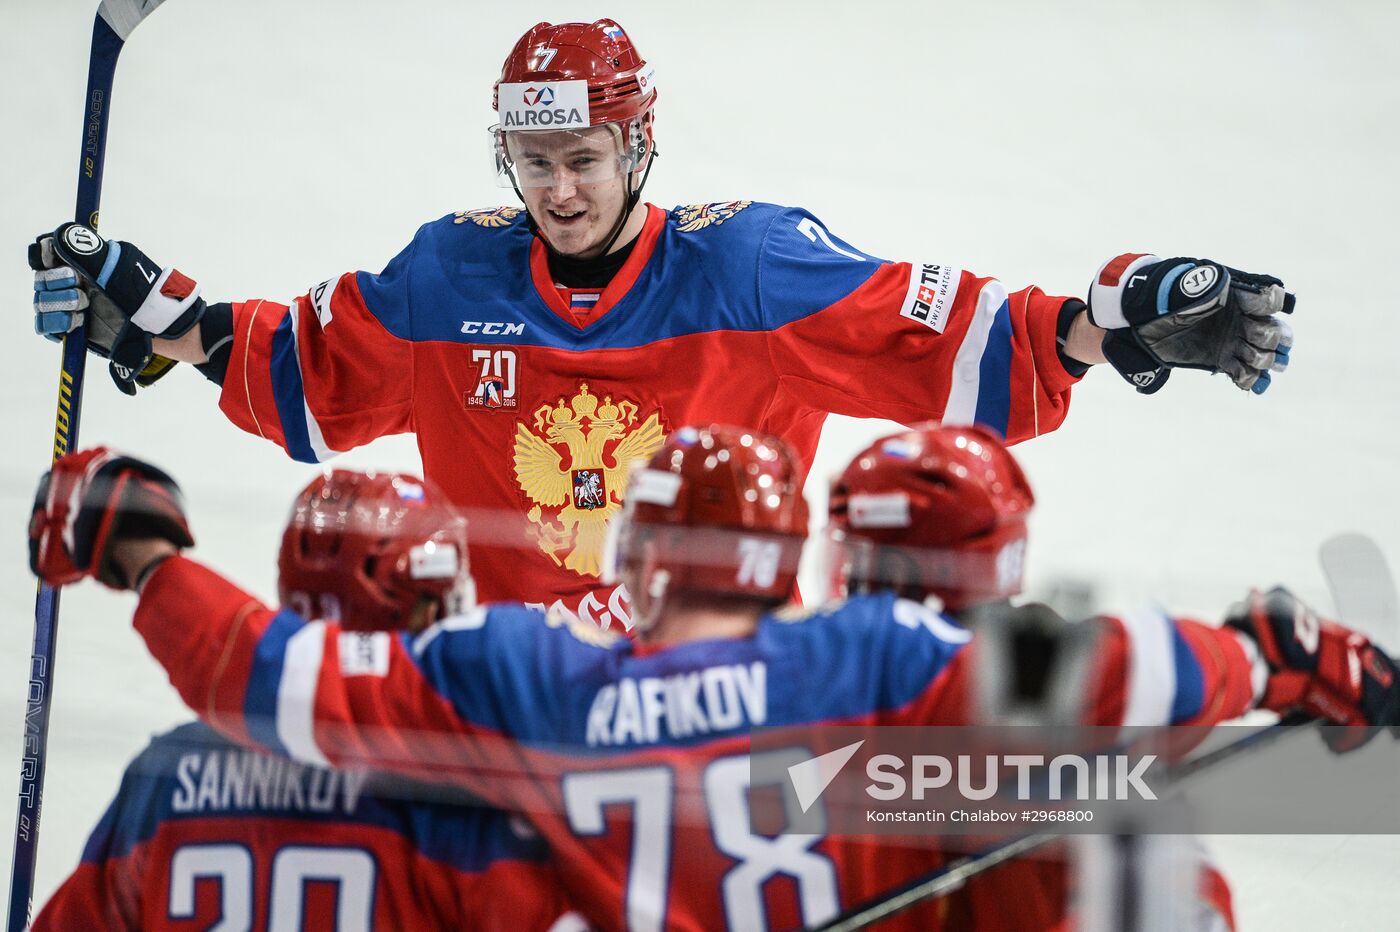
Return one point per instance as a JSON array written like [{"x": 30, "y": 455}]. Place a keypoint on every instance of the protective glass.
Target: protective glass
[
  {"x": 545, "y": 159},
  {"x": 857, "y": 566}
]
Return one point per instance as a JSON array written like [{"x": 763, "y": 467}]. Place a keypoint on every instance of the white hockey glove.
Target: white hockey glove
[{"x": 1165, "y": 314}]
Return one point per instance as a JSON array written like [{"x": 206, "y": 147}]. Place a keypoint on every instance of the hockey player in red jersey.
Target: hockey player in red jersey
[
  {"x": 630, "y": 757},
  {"x": 938, "y": 515},
  {"x": 549, "y": 347},
  {"x": 204, "y": 832}
]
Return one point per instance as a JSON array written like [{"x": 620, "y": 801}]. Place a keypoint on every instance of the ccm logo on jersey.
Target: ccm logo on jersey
[
  {"x": 493, "y": 328},
  {"x": 932, "y": 290}
]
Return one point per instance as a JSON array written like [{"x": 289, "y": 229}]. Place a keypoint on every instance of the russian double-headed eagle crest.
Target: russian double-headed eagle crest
[
  {"x": 573, "y": 466},
  {"x": 698, "y": 216},
  {"x": 489, "y": 216}
]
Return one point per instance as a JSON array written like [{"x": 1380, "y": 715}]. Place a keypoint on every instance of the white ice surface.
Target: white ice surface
[{"x": 262, "y": 146}]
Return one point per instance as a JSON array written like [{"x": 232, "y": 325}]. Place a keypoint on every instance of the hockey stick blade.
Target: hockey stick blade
[
  {"x": 1362, "y": 586},
  {"x": 125, "y": 15}
]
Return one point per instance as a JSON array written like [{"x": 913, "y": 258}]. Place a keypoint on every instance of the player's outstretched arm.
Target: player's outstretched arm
[
  {"x": 1273, "y": 653},
  {"x": 445, "y": 705},
  {"x": 1152, "y": 669},
  {"x": 284, "y": 373},
  {"x": 856, "y": 335}
]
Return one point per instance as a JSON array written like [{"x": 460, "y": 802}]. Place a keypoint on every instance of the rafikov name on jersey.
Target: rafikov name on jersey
[
  {"x": 649, "y": 709},
  {"x": 220, "y": 781}
]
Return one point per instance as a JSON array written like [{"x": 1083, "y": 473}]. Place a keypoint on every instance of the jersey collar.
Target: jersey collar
[{"x": 556, "y": 299}]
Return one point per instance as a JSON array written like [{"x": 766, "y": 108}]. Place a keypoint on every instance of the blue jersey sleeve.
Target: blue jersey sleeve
[
  {"x": 885, "y": 659},
  {"x": 803, "y": 268}
]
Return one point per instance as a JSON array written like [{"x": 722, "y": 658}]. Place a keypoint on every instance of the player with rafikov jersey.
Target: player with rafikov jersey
[
  {"x": 631, "y": 757},
  {"x": 204, "y": 833},
  {"x": 536, "y": 353}
]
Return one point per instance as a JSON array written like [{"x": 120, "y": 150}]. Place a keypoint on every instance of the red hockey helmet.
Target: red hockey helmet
[
  {"x": 718, "y": 511},
  {"x": 619, "y": 83},
  {"x": 569, "y": 78},
  {"x": 932, "y": 511},
  {"x": 366, "y": 549}
]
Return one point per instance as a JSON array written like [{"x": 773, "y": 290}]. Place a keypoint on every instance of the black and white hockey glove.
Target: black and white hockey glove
[
  {"x": 1165, "y": 314},
  {"x": 127, "y": 297}
]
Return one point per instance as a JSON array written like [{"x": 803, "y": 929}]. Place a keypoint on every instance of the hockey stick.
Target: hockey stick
[
  {"x": 1362, "y": 586},
  {"x": 111, "y": 28},
  {"x": 1359, "y": 578}
]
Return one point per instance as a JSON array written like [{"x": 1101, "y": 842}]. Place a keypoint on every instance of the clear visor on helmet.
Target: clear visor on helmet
[
  {"x": 551, "y": 158},
  {"x": 853, "y": 565}
]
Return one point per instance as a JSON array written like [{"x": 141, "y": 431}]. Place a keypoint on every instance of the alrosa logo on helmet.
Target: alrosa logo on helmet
[
  {"x": 544, "y": 104},
  {"x": 535, "y": 118}
]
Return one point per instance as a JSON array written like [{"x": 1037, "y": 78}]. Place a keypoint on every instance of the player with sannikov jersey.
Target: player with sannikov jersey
[
  {"x": 206, "y": 833},
  {"x": 630, "y": 756},
  {"x": 545, "y": 349}
]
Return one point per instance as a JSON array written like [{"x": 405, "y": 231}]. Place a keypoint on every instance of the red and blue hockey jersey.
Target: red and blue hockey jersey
[
  {"x": 205, "y": 833},
  {"x": 528, "y": 412},
  {"x": 632, "y": 760}
]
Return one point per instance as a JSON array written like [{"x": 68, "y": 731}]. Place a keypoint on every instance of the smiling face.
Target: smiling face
[{"x": 574, "y": 185}]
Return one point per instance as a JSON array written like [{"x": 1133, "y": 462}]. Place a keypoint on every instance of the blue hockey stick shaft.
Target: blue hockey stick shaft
[{"x": 113, "y": 24}]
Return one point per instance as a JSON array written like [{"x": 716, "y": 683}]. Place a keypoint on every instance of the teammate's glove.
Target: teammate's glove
[
  {"x": 1165, "y": 314},
  {"x": 129, "y": 299},
  {"x": 1321, "y": 667},
  {"x": 88, "y": 502}
]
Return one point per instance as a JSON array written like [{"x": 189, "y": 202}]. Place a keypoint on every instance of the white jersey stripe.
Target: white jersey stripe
[
  {"x": 296, "y": 694},
  {"x": 967, "y": 366},
  {"x": 313, "y": 429},
  {"x": 1151, "y": 668}
]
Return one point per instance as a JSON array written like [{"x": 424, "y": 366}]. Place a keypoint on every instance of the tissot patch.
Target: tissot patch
[{"x": 932, "y": 290}]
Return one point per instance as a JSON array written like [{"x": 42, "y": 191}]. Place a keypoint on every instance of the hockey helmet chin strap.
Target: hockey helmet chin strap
[{"x": 634, "y": 197}]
